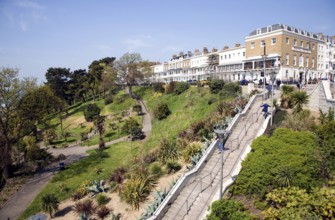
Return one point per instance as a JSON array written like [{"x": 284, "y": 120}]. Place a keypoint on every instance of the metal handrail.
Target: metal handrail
[
  {"x": 235, "y": 164},
  {"x": 212, "y": 179}
]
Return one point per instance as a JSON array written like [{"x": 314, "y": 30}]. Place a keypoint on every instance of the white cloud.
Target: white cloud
[{"x": 29, "y": 4}]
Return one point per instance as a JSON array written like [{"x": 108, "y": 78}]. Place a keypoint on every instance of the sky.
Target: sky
[{"x": 38, "y": 34}]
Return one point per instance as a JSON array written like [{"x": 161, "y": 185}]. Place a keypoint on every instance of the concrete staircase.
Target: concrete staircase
[{"x": 193, "y": 200}]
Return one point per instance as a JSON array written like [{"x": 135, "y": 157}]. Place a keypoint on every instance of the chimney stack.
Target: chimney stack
[{"x": 205, "y": 50}]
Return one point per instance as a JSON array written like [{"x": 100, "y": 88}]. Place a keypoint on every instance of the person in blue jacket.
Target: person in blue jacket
[{"x": 265, "y": 109}]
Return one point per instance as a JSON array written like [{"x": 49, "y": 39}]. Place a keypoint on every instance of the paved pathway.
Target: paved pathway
[
  {"x": 193, "y": 200},
  {"x": 22, "y": 198}
]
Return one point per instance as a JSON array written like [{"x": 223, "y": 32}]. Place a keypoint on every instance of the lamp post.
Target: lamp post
[
  {"x": 222, "y": 133},
  {"x": 273, "y": 78},
  {"x": 264, "y": 57}
]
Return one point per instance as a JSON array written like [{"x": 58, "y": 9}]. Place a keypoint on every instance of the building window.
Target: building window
[
  {"x": 221, "y": 57},
  {"x": 262, "y": 43},
  {"x": 313, "y": 62},
  {"x": 229, "y": 56},
  {"x": 295, "y": 60},
  {"x": 301, "y": 60},
  {"x": 273, "y": 40},
  {"x": 252, "y": 45},
  {"x": 244, "y": 54},
  {"x": 301, "y": 44},
  {"x": 287, "y": 59},
  {"x": 313, "y": 47},
  {"x": 295, "y": 42},
  {"x": 307, "y": 45},
  {"x": 225, "y": 57},
  {"x": 287, "y": 40},
  {"x": 307, "y": 61},
  {"x": 326, "y": 66}
]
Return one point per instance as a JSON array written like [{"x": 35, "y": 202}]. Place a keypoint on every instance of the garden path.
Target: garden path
[{"x": 14, "y": 207}]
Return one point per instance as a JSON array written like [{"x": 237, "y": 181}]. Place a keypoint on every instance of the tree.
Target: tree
[
  {"x": 97, "y": 70},
  {"x": 91, "y": 112},
  {"x": 299, "y": 98},
  {"x": 38, "y": 103},
  {"x": 50, "y": 203},
  {"x": 12, "y": 127},
  {"x": 58, "y": 79},
  {"x": 78, "y": 84},
  {"x": 132, "y": 70},
  {"x": 285, "y": 96}
]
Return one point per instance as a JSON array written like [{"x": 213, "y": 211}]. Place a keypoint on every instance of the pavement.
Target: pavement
[{"x": 15, "y": 206}]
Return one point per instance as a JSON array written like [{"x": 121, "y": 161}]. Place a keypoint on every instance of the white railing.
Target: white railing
[{"x": 177, "y": 188}]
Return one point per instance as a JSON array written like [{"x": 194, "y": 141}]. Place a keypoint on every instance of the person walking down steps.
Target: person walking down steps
[{"x": 265, "y": 109}]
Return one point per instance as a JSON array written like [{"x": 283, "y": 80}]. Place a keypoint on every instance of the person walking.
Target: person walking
[{"x": 265, "y": 107}]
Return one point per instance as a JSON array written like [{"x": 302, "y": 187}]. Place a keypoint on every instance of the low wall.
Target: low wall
[{"x": 178, "y": 187}]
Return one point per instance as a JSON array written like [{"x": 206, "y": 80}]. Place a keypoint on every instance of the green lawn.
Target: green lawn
[
  {"x": 83, "y": 170},
  {"x": 76, "y": 124},
  {"x": 190, "y": 106},
  {"x": 186, "y": 108}
]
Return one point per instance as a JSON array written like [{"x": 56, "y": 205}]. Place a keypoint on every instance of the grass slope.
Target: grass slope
[
  {"x": 186, "y": 108},
  {"x": 76, "y": 124}
]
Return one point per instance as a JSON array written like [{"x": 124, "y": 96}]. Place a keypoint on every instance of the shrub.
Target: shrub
[
  {"x": 84, "y": 209},
  {"x": 137, "y": 109},
  {"x": 129, "y": 125},
  {"x": 260, "y": 205},
  {"x": 158, "y": 87},
  {"x": 254, "y": 92},
  {"x": 156, "y": 169},
  {"x": 103, "y": 212},
  {"x": 168, "y": 150},
  {"x": 162, "y": 111},
  {"x": 172, "y": 166},
  {"x": 50, "y": 203},
  {"x": 193, "y": 149},
  {"x": 216, "y": 85},
  {"x": 150, "y": 157},
  {"x": 181, "y": 87},
  {"x": 136, "y": 190},
  {"x": 79, "y": 194},
  {"x": 136, "y": 133},
  {"x": 169, "y": 89},
  {"x": 118, "y": 175},
  {"x": 102, "y": 199},
  {"x": 108, "y": 99},
  {"x": 91, "y": 112},
  {"x": 120, "y": 99},
  {"x": 211, "y": 101},
  {"x": 113, "y": 186},
  {"x": 228, "y": 209}
]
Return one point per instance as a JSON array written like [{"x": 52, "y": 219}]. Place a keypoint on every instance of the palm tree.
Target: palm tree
[
  {"x": 103, "y": 212},
  {"x": 299, "y": 98},
  {"x": 285, "y": 96},
  {"x": 50, "y": 203}
]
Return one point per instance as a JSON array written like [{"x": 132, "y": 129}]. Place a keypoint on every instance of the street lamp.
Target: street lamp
[
  {"x": 273, "y": 78},
  {"x": 222, "y": 133},
  {"x": 264, "y": 57}
]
